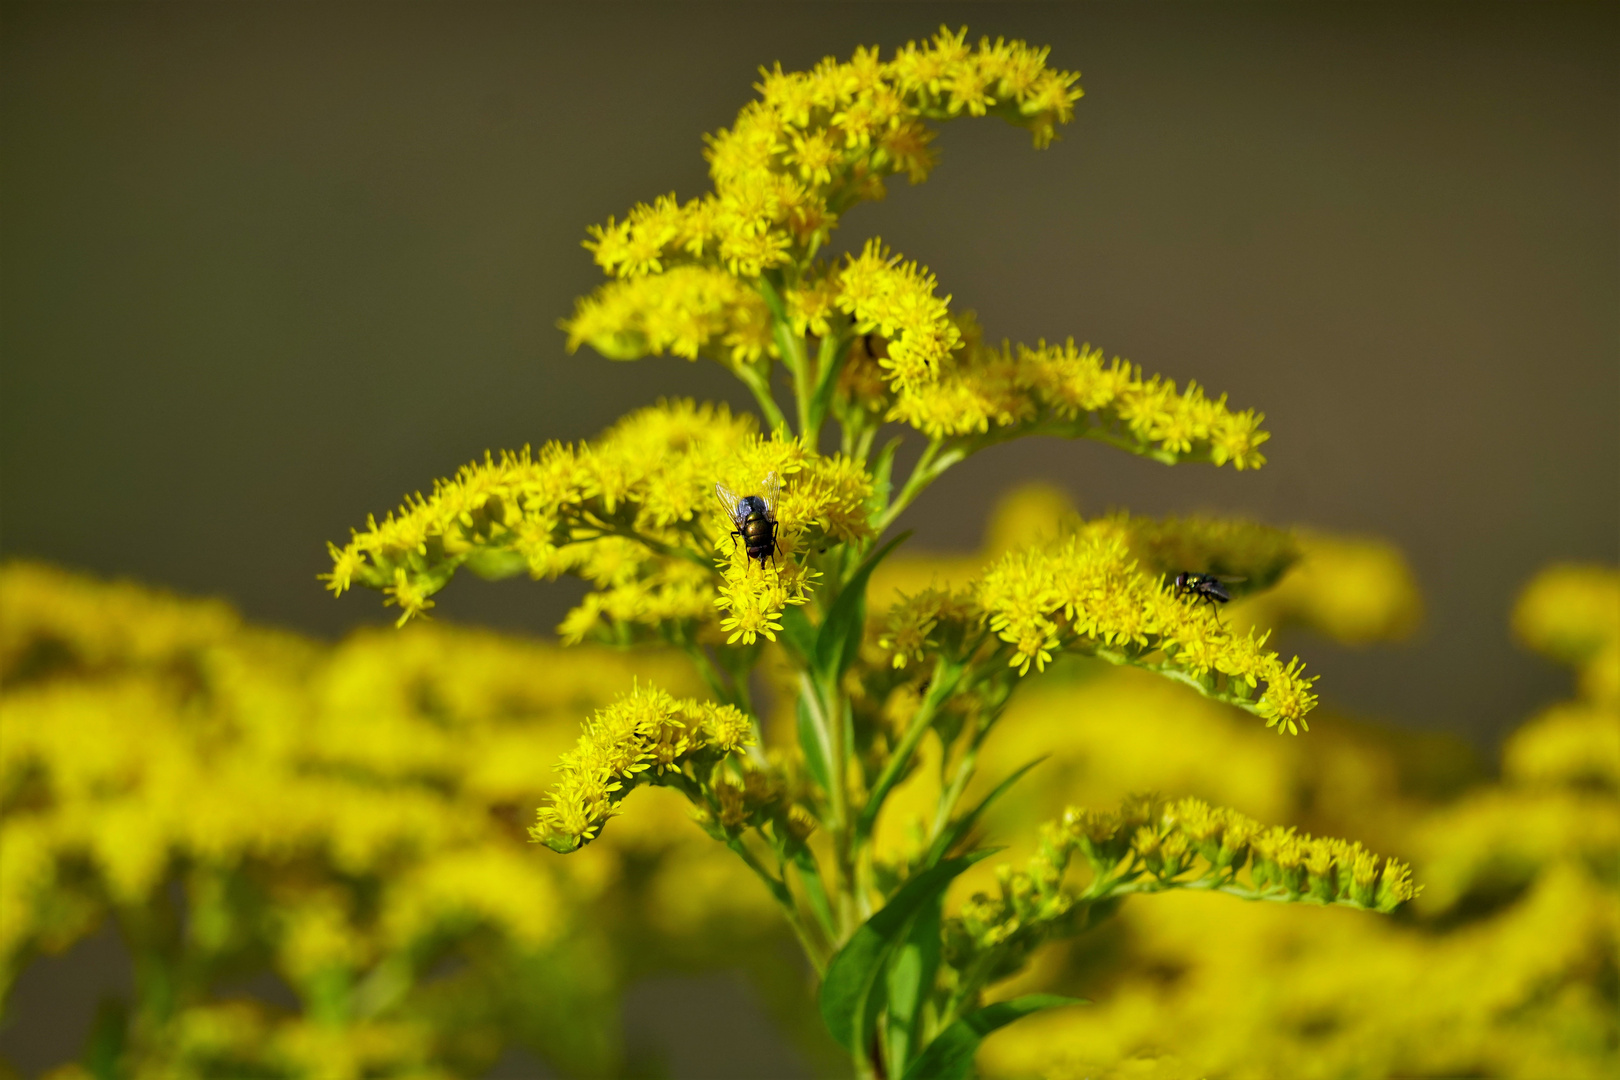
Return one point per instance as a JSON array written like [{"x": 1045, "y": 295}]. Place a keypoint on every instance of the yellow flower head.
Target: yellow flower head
[
  {"x": 636, "y": 739},
  {"x": 635, "y": 514},
  {"x": 812, "y": 145},
  {"x": 1089, "y": 592}
]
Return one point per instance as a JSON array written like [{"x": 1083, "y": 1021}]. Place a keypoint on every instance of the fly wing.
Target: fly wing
[
  {"x": 772, "y": 493},
  {"x": 732, "y": 504}
]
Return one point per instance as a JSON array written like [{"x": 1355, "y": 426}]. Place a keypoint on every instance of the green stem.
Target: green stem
[
  {"x": 783, "y": 895},
  {"x": 804, "y": 861},
  {"x": 947, "y": 674},
  {"x": 838, "y": 782},
  {"x": 791, "y": 346},
  {"x": 668, "y": 550},
  {"x": 759, "y": 385},
  {"x": 706, "y": 668},
  {"x": 830, "y": 357},
  {"x": 953, "y": 794},
  {"x": 934, "y": 462}
]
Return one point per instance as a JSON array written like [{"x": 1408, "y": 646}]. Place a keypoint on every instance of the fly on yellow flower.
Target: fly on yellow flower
[{"x": 738, "y": 274}]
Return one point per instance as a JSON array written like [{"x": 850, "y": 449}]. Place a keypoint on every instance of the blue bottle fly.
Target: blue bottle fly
[{"x": 753, "y": 519}]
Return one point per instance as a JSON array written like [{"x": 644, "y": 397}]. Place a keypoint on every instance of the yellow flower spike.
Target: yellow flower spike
[
  {"x": 967, "y": 389},
  {"x": 1185, "y": 844},
  {"x": 631, "y": 514},
  {"x": 682, "y": 312},
  {"x": 1087, "y": 592},
  {"x": 633, "y": 741}
]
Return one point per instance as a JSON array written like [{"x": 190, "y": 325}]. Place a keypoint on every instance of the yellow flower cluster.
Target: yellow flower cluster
[
  {"x": 1150, "y": 846},
  {"x": 638, "y": 739},
  {"x": 1571, "y": 612},
  {"x": 1069, "y": 390},
  {"x": 815, "y": 142},
  {"x": 896, "y": 300},
  {"x": 1574, "y": 744},
  {"x": 680, "y": 312},
  {"x": 813, "y": 145},
  {"x": 753, "y": 599},
  {"x": 635, "y": 514},
  {"x": 1087, "y": 592},
  {"x": 1561, "y": 800},
  {"x": 340, "y": 810}
]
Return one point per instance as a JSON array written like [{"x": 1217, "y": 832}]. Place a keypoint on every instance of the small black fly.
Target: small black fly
[
  {"x": 1208, "y": 588},
  {"x": 753, "y": 518}
]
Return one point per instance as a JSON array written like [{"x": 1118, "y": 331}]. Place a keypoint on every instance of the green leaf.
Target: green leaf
[
  {"x": 798, "y": 634},
  {"x": 847, "y": 986},
  {"x": 959, "y": 828},
  {"x": 813, "y": 741},
  {"x": 882, "y": 476},
  {"x": 951, "y": 1052},
  {"x": 840, "y": 636},
  {"x": 911, "y": 974},
  {"x": 829, "y": 362}
]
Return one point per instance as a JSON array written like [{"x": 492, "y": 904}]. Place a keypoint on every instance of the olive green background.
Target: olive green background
[{"x": 265, "y": 268}]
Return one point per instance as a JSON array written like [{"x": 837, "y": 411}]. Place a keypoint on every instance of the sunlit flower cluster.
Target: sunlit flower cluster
[
  {"x": 815, "y": 142},
  {"x": 1150, "y": 846},
  {"x": 634, "y": 513},
  {"x": 681, "y": 313},
  {"x": 1087, "y": 592},
  {"x": 638, "y": 739},
  {"x": 1070, "y": 390}
]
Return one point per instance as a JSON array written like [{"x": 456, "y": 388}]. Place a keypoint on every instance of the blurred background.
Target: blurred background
[{"x": 267, "y": 268}]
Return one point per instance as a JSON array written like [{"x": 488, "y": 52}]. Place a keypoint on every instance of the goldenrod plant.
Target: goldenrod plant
[{"x": 751, "y": 549}]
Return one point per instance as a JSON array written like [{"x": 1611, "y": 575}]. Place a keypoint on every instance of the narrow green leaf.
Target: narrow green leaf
[
  {"x": 798, "y": 634},
  {"x": 883, "y": 476},
  {"x": 804, "y": 861},
  {"x": 840, "y": 636},
  {"x": 957, "y": 829},
  {"x": 847, "y": 986},
  {"x": 952, "y": 1050},
  {"x": 813, "y": 740}
]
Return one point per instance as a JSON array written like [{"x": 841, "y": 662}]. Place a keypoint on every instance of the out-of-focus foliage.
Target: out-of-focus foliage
[{"x": 239, "y": 801}]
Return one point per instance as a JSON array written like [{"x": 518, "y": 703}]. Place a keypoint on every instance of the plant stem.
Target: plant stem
[
  {"x": 933, "y": 463},
  {"x": 784, "y": 897},
  {"x": 791, "y": 347},
  {"x": 943, "y": 684},
  {"x": 760, "y": 387}
]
